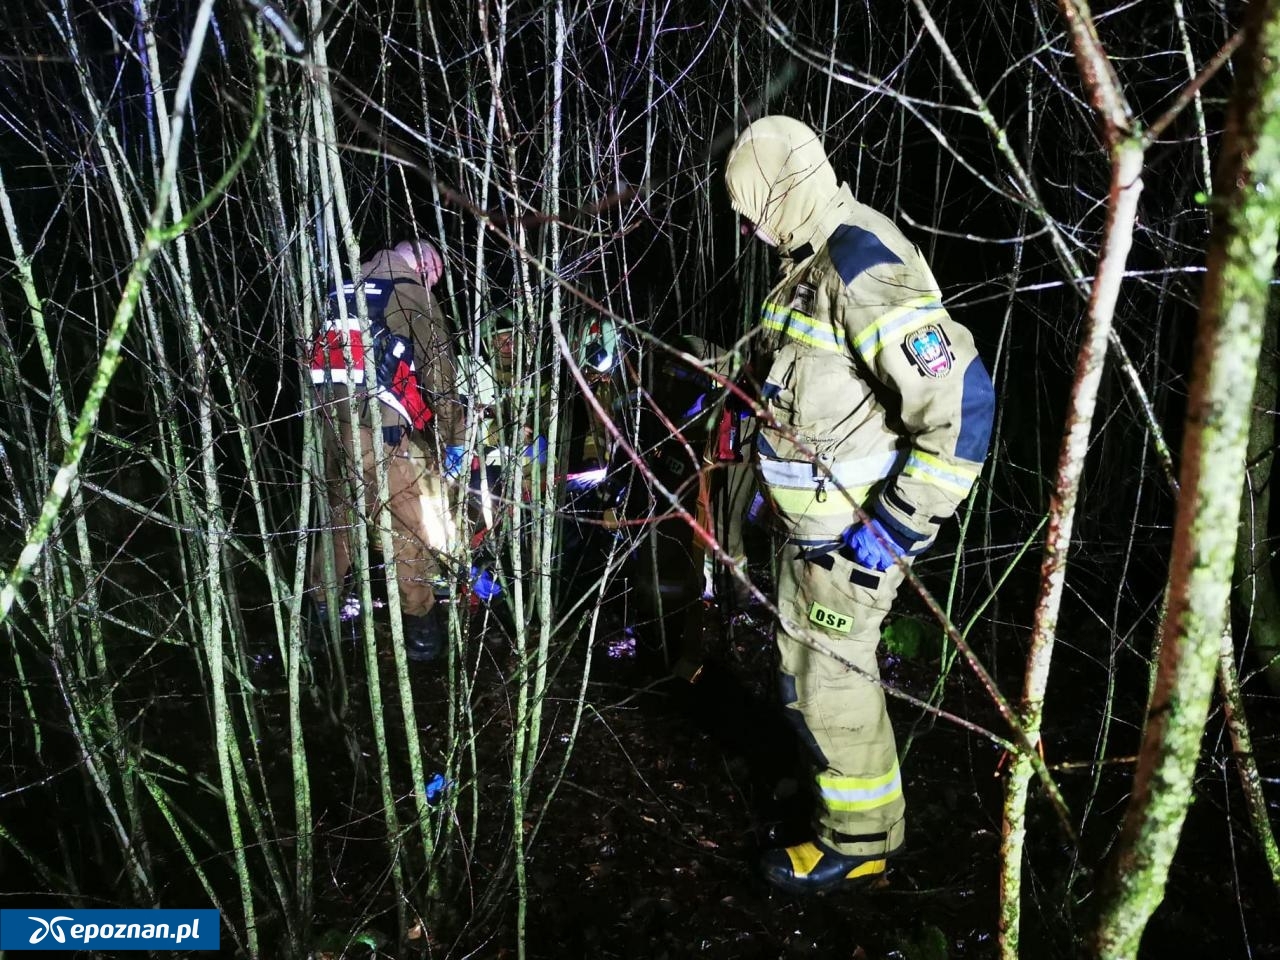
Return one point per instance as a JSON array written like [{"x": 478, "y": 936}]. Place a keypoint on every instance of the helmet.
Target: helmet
[
  {"x": 598, "y": 346},
  {"x": 500, "y": 351},
  {"x": 494, "y": 322}
]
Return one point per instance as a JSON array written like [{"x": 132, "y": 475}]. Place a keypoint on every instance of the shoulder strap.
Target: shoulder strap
[{"x": 377, "y": 291}]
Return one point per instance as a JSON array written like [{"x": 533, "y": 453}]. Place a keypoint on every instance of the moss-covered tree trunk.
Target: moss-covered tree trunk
[
  {"x": 1257, "y": 599},
  {"x": 1232, "y": 314}
]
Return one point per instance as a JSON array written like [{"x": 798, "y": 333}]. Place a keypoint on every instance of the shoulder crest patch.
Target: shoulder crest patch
[{"x": 929, "y": 350}]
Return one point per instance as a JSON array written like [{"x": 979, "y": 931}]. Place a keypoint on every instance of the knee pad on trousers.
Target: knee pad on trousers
[{"x": 791, "y": 710}]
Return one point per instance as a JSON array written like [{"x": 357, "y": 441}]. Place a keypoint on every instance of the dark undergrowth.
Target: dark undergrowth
[{"x": 647, "y": 847}]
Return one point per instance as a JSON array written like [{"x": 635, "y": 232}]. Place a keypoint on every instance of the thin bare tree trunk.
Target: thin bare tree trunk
[
  {"x": 1126, "y": 186},
  {"x": 1233, "y": 309}
]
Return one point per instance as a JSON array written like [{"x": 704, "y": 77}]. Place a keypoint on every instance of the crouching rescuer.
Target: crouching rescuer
[
  {"x": 876, "y": 398},
  {"x": 412, "y": 401}
]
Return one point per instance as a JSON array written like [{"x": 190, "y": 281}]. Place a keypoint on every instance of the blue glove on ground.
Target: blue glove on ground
[
  {"x": 437, "y": 786},
  {"x": 453, "y": 461},
  {"x": 868, "y": 549},
  {"x": 485, "y": 585}
]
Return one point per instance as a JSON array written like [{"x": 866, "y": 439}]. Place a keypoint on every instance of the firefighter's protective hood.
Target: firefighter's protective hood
[{"x": 779, "y": 177}]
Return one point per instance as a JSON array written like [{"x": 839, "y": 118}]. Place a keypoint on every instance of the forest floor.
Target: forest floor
[{"x": 648, "y": 846}]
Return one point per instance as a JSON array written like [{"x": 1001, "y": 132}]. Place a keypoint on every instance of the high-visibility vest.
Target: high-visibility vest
[{"x": 398, "y": 385}]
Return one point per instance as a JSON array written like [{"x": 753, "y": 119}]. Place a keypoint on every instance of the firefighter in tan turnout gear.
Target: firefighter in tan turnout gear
[
  {"x": 415, "y": 404},
  {"x": 877, "y": 398}
]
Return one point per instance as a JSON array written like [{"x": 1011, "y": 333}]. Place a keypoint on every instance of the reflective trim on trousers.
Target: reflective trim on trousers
[{"x": 860, "y": 793}]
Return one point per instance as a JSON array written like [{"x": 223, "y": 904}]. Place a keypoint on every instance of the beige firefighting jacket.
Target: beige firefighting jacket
[
  {"x": 412, "y": 312},
  {"x": 868, "y": 379}
]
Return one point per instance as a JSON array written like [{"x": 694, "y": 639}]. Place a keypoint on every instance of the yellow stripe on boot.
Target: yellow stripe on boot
[
  {"x": 804, "y": 858},
  {"x": 868, "y": 869},
  {"x": 813, "y": 867}
]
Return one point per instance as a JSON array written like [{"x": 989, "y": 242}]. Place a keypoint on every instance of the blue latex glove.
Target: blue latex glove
[
  {"x": 537, "y": 450},
  {"x": 869, "y": 549},
  {"x": 485, "y": 585},
  {"x": 437, "y": 786},
  {"x": 453, "y": 461}
]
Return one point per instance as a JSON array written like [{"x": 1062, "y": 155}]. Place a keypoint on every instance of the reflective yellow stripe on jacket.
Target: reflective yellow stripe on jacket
[
  {"x": 800, "y": 326},
  {"x": 890, "y": 327},
  {"x": 953, "y": 477},
  {"x": 808, "y": 503},
  {"x": 800, "y": 489}
]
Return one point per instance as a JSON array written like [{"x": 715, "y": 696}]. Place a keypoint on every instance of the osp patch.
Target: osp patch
[
  {"x": 830, "y": 619},
  {"x": 930, "y": 351}
]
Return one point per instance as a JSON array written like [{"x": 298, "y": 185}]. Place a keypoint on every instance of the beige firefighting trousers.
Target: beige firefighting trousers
[
  {"x": 422, "y": 527},
  {"x": 830, "y": 601}
]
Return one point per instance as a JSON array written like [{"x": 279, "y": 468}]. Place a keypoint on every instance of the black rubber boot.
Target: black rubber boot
[
  {"x": 813, "y": 867},
  {"x": 424, "y": 636}
]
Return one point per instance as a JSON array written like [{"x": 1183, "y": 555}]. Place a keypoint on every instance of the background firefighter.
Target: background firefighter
[
  {"x": 416, "y": 443},
  {"x": 724, "y": 433},
  {"x": 505, "y": 400},
  {"x": 688, "y": 430},
  {"x": 878, "y": 398}
]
